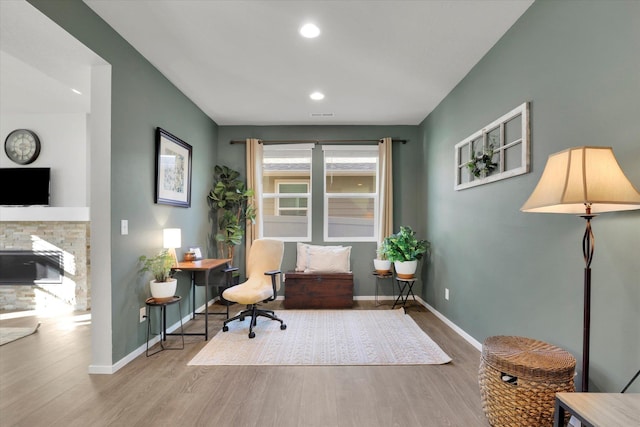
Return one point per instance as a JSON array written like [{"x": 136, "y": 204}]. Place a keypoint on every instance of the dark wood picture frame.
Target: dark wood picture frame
[{"x": 173, "y": 170}]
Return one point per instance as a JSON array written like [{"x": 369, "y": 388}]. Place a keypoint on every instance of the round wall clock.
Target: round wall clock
[{"x": 22, "y": 146}]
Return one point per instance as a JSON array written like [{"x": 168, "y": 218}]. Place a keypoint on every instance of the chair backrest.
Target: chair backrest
[{"x": 265, "y": 255}]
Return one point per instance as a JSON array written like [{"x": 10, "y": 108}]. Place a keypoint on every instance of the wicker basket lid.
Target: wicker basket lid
[{"x": 528, "y": 358}]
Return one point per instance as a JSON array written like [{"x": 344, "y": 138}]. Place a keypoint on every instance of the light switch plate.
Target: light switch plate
[{"x": 124, "y": 227}]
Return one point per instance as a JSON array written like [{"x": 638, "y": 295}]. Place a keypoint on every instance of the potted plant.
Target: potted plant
[
  {"x": 404, "y": 249},
  {"x": 231, "y": 202},
  {"x": 381, "y": 264},
  {"x": 163, "y": 286}
]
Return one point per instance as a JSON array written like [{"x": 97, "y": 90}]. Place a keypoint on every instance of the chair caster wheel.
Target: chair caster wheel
[
  {"x": 283, "y": 327},
  {"x": 252, "y": 334},
  {"x": 225, "y": 328}
]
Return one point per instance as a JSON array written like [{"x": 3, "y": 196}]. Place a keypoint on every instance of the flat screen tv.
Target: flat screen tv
[{"x": 24, "y": 186}]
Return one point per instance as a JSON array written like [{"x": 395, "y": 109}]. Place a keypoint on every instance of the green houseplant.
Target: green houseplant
[
  {"x": 404, "y": 249},
  {"x": 232, "y": 205},
  {"x": 381, "y": 264},
  {"x": 163, "y": 286}
]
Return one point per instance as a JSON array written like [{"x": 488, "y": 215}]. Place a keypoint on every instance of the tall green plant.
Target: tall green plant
[
  {"x": 404, "y": 246},
  {"x": 232, "y": 202}
]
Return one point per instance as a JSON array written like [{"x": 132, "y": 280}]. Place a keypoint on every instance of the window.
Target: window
[
  {"x": 350, "y": 193},
  {"x": 286, "y": 192},
  {"x": 292, "y": 206}
]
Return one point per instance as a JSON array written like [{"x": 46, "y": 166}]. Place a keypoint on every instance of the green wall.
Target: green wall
[
  {"x": 514, "y": 273},
  {"x": 142, "y": 99},
  {"x": 407, "y": 171}
]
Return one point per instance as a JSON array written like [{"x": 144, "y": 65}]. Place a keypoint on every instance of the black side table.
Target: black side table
[
  {"x": 380, "y": 277},
  {"x": 151, "y": 302},
  {"x": 405, "y": 288}
]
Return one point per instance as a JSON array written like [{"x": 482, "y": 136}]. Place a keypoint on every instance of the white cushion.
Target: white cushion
[
  {"x": 302, "y": 256},
  {"x": 328, "y": 259}
]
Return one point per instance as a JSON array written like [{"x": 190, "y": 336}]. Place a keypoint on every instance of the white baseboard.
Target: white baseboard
[{"x": 449, "y": 323}]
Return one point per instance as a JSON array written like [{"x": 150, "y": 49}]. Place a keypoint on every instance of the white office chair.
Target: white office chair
[{"x": 262, "y": 284}]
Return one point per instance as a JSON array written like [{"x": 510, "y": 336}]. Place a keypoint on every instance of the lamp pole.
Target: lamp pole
[{"x": 588, "y": 246}]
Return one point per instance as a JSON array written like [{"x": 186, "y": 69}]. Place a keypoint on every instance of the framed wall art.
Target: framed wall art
[
  {"x": 497, "y": 151},
  {"x": 173, "y": 170}
]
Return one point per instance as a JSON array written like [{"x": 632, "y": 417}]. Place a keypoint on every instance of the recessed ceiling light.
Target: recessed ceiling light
[
  {"x": 76, "y": 91},
  {"x": 309, "y": 31},
  {"x": 317, "y": 96}
]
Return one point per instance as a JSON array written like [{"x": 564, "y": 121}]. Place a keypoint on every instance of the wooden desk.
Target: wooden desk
[
  {"x": 599, "y": 409},
  {"x": 206, "y": 266}
]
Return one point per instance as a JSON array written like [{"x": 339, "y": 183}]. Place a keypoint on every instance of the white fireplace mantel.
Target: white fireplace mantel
[{"x": 43, "y": 213}]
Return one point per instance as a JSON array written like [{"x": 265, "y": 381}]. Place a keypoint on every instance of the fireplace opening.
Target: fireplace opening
[{"x": 22, "y": 267}]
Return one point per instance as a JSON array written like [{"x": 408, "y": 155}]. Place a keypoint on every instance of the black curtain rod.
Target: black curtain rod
[{"x": 315, "y": 141}]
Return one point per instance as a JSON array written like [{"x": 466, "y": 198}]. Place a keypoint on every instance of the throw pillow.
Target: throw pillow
[
  {"x": 302, "y": 257},
  {"x": 329, "y": 259}
]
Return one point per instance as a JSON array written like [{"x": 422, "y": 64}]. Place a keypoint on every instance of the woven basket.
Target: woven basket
[{"x": 519, "y": 378}]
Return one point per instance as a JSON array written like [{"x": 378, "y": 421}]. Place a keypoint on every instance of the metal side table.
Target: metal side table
[
  {"x": 152, "y": 302},
  {"x": 381, "y": 277},
  {"x": 405, "y": 288}
]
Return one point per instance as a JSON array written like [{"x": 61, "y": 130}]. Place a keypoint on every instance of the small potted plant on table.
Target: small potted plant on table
[
  {"x": 163, "y": 286},
  {"x": 381, "y": 264},
  {"x": 404, "y": 249}
]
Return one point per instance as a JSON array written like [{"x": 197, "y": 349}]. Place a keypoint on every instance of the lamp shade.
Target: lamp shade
[
  {"x": 582, "y": 177},
  {"x": 172, "y": 238}
]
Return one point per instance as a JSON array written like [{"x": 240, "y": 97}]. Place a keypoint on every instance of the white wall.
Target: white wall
[{"x": 63, "y": 138}]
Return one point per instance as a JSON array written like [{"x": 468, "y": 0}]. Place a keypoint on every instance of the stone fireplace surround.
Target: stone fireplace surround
[{"x": 72, "y": 237}]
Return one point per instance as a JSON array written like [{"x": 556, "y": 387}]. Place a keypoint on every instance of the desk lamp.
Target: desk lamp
[{"x": 172, "y": 238}]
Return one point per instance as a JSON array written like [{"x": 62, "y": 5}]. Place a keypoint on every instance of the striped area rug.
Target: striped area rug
[{"x": 325, "y": 337}]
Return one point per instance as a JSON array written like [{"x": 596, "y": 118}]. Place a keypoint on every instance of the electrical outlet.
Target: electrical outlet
[
  {"x": 446, "y": 294},
  {"x": 143, "y": 314},
  {"x": 124, "y": 227}
]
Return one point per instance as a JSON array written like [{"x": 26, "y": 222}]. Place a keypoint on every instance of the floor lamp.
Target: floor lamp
[{"x": 584, "y": 181}]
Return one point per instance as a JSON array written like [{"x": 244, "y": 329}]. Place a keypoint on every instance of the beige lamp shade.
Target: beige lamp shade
[
  {"x": 582, "y": 177},
  {"x": 172, "y": 238}
]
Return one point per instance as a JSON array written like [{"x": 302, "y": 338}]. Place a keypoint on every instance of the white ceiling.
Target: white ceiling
[
  {"x": 378, "y": 62},
  {"x": 40, "y": 63}
]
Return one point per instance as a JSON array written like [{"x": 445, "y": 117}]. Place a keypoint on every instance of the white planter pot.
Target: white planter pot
[
  {"x": 405, "y": 269},
  {"x": 382, "y": 266},
  {"x": 163, "y": 291}
]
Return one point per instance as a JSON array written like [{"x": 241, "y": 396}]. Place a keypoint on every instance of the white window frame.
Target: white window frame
[
  {"x": 327, "y": 196},
  {"x": 304, "y": 195},
  {"x": 464, "y": 150},
  {"x": 276, "y": 195}
]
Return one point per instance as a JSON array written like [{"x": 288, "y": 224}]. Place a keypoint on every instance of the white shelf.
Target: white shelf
[{"x": 42, "y": 213}]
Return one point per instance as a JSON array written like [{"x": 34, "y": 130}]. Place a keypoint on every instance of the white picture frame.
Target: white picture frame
[{"x": 506, "y": 141}]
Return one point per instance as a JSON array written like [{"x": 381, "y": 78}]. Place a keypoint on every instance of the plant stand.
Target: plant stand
[
  {"x": 405, "y": 288},
  {"x": 152, "y": 302}
]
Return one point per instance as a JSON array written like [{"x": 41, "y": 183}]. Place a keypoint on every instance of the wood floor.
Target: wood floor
[{"x": 44, "y": 382}]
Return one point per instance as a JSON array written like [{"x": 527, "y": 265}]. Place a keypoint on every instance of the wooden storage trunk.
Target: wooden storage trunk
[{"x": 318, "y": 290}]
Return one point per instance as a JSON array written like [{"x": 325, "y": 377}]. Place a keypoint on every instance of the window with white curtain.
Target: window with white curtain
[
  {"x": 350, "y": 193},
  {"x": 285, "y": 199}
]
